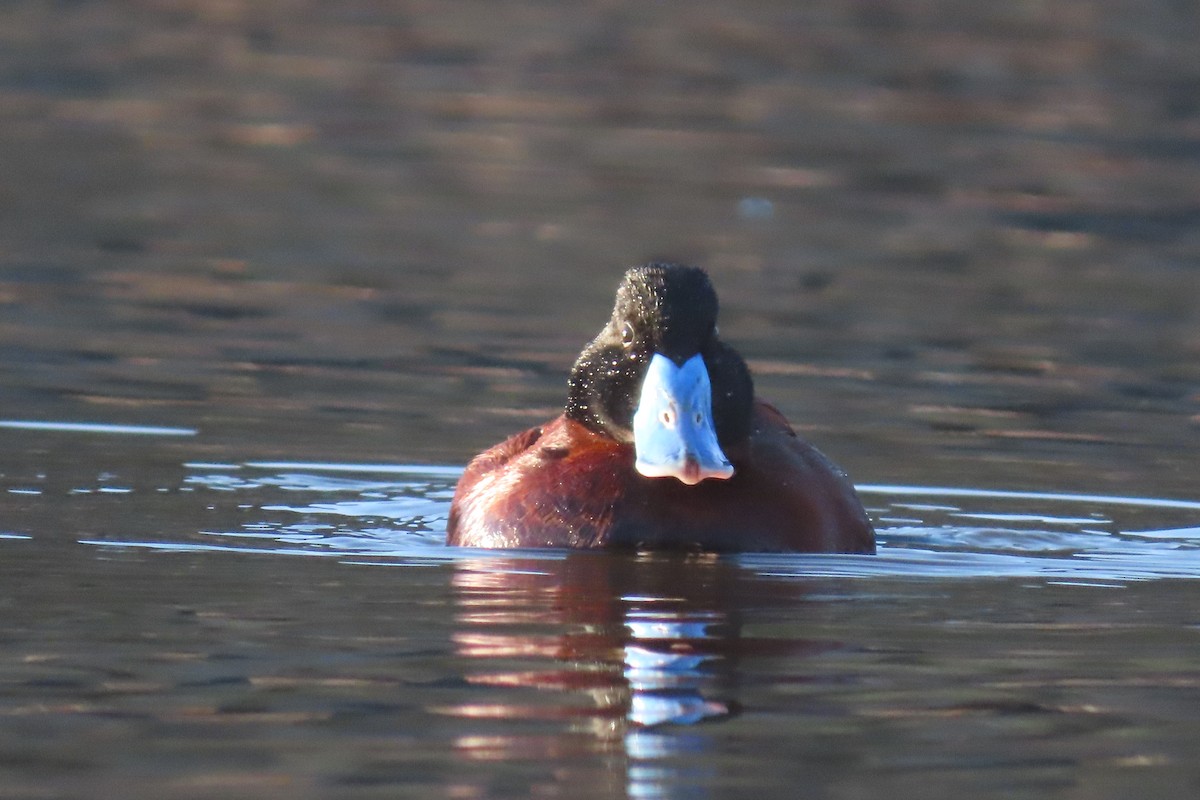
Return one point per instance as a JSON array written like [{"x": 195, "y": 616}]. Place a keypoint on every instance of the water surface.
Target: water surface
[
  {"x": 270, "y": 275},
  {"x": 259, "y": 629}
]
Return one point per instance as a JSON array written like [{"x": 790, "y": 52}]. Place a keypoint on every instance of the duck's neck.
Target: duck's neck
[{"x": 603, "y": 392}]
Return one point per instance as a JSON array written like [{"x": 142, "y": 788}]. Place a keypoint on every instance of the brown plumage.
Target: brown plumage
[
  {"x": 573, "y": 482},
  {"x": 562, "y": 485}
]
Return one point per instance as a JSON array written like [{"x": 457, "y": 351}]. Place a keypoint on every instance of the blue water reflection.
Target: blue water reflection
[
  {"x": 399, "y": 513},
  {"x": 632, "y": 649},
  {"x": 676, "y": 672}
]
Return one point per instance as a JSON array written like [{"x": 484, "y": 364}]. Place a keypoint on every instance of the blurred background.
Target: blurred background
[{"x": 957, "y": 241}]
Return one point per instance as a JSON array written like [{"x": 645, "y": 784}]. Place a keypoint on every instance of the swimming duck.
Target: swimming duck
[{"x": 662, "y": 445}]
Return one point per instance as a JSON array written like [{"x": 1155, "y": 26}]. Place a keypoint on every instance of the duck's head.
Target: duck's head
[{"x": 657, "y": 376}]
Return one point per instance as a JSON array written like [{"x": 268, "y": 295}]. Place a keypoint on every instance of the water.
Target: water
[
  {"x": 307, "y": 633},
  {"x": 398, "y": 513},
  {"x": 270, "y": 275}
]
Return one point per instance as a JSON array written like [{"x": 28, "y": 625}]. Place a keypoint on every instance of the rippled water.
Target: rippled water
[
  {"x": 399, "y": 512},
  {"x": 262, "y": 265},
  {"x": 204, "y": 629}
]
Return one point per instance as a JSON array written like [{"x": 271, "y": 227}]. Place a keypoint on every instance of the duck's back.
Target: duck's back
[{"x": 551, "y": 486}]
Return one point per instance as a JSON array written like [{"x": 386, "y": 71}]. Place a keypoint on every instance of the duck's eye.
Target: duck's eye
[{"x": 627, "y": 334}]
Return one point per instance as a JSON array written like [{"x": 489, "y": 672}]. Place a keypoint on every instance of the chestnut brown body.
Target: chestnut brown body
[{"x": 564, "y": 485}]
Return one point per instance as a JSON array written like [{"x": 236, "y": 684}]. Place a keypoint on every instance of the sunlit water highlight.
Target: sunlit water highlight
[
  {"x": 96, "y": 427},
  {"x": 397, "y": 514}
]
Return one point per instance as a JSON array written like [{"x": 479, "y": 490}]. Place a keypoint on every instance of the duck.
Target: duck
[{"x": 662, "y": 445}]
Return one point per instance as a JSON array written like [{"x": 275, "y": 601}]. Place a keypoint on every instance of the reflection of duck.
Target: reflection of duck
[
  {"x": 624, "y": 652},
  {"x": 650, "y": 638},
  {"x": 662, "y": 445}
]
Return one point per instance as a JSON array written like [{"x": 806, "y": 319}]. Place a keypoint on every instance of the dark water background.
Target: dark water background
[{"x": 315, "y": 255}]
